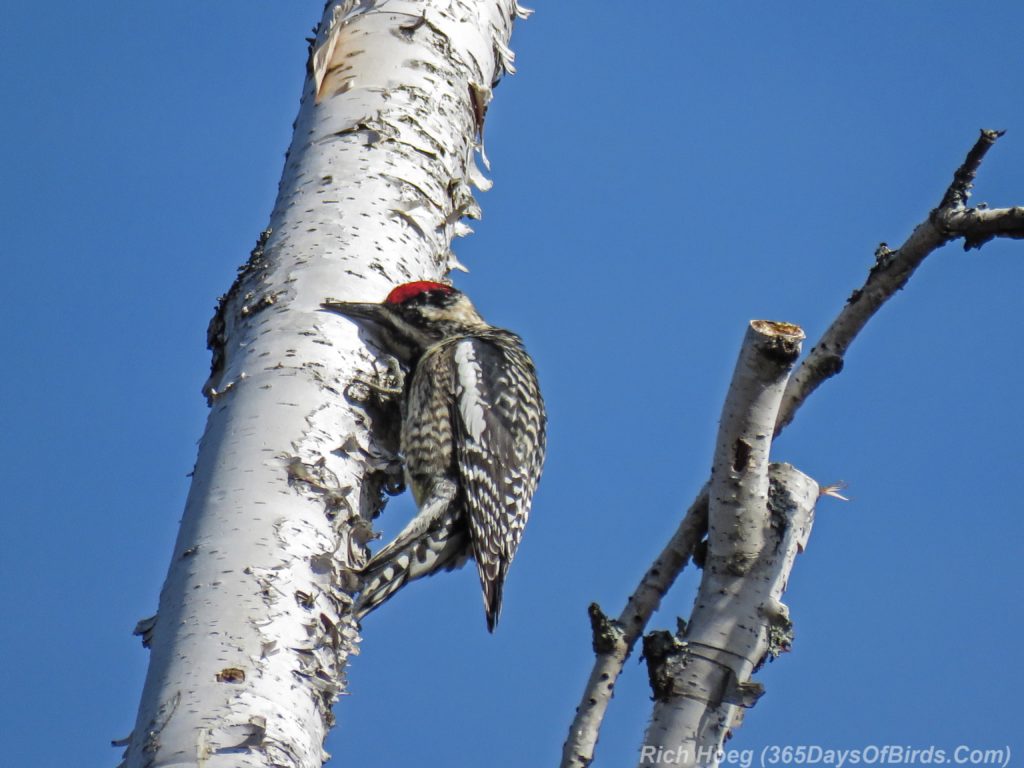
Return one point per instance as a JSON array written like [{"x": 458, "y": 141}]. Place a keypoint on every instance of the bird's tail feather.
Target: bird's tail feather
[{"x": 493, "y": 591}]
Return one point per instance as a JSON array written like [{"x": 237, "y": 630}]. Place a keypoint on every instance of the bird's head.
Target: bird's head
[{"x": 414, "y": 316}]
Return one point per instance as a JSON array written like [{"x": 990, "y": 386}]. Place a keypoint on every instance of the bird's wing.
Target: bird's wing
[{"x": 499, "y": 418}]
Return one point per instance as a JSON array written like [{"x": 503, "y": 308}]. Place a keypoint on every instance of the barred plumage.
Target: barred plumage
[{"x": 473, "y": 439}]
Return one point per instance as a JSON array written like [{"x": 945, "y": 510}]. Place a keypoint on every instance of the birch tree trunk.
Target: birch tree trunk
[{"x": 252, "y": 636}]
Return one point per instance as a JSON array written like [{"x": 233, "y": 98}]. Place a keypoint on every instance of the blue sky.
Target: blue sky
[{"x": 663, "y": 173}]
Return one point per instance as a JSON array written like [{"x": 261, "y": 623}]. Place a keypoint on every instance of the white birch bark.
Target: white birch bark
[
  {"x": 252, "y": 635},
  {"x": 753, "y": 537},
  {"x": 702, "y": 681}
]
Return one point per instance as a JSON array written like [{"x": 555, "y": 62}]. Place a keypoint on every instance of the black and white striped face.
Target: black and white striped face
[
  {"x": 415, "y": 316},
  {"x": 424, "y": 313}
]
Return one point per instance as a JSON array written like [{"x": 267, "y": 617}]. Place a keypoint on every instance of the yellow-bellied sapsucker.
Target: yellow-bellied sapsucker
[{"x": 473, "y": 439}]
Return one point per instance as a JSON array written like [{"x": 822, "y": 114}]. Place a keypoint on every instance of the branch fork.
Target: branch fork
[{"x": 950, "y": 220}]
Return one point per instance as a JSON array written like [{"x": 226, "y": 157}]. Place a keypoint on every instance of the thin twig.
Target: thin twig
[
  {"x": 960, "y": 190},
  {"x": 949, "y": 221}
]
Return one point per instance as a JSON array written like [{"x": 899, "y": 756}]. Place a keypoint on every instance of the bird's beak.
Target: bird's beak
[
  {"x": 376, "y": 319},
  {"x": 355, "y": 310}
]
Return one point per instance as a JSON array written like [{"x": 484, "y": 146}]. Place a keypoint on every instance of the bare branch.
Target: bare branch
[
  {"x": 892, "y": 269},
  {"x": 960, "y": 190},
  {"x": 979, "y": 225},
  {"x": 614, "y": 640}
]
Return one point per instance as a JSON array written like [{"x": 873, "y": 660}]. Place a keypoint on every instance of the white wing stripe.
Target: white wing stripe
[{"x": 471, "y": 406}]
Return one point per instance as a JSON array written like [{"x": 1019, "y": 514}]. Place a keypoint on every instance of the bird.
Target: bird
[{"x": 473, "y": 439}]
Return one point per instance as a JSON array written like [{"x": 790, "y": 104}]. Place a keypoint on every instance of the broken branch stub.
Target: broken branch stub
[{"x": 757, "y": 515}]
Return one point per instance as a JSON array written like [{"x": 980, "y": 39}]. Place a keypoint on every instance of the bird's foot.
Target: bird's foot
[{"x": 382, "y": 387}]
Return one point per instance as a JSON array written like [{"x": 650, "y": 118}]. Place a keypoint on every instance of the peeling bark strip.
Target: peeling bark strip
[
  {"x": 890, "y": 273},
  {"x": 253, "y": 634}
]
